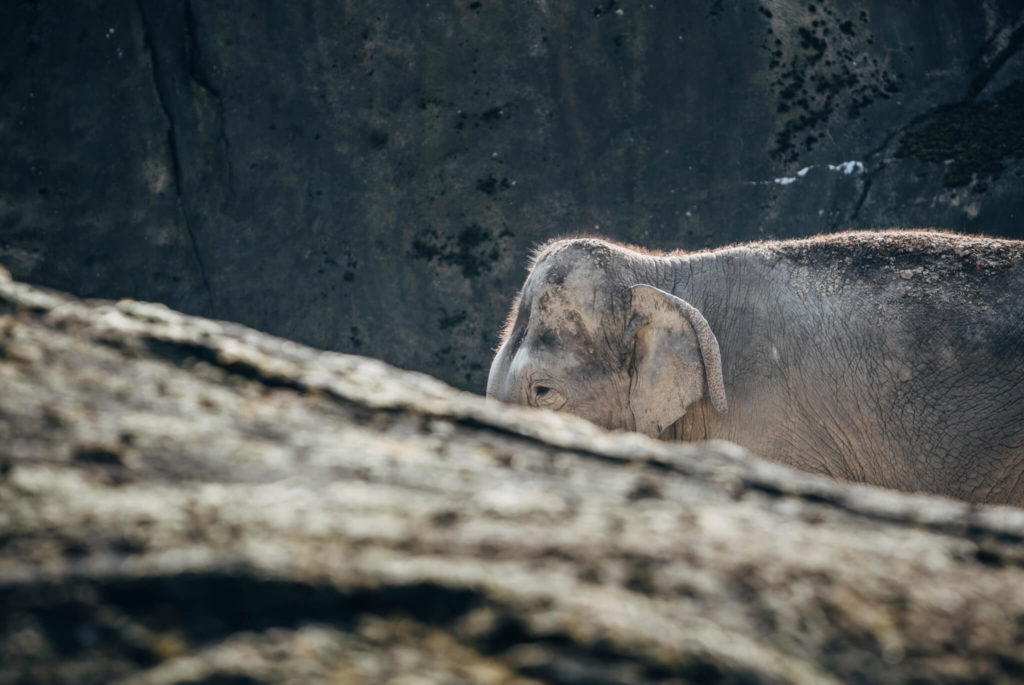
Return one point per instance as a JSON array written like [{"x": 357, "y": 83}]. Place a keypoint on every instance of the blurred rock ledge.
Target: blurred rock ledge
[{"x": 189, "y": 501}]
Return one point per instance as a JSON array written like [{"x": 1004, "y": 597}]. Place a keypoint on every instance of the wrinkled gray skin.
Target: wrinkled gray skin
[{"x": 892, "y": 358}]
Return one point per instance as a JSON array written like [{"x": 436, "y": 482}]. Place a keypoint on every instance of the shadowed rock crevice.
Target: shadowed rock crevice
[
  {"x": 131, "y": 620},
  {"x": 996, "y": 62}
]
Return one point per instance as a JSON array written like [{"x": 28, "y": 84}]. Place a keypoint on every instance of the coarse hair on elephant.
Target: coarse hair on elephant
[{"x": 894, "y": 358}]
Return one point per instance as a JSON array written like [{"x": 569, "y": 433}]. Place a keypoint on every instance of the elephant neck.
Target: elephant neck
[{"x": 684, "y": 276}]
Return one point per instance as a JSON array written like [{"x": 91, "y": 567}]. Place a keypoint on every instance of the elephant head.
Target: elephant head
[{"x": 590, "y": 335}]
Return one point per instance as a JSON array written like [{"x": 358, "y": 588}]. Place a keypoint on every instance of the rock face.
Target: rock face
[
  {"x": 185, "y": 501},
  {"x": 370, "y": 176}
]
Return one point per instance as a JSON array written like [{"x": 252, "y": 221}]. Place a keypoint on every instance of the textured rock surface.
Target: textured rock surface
[
  {"x": 185, "y": 501},
  {"x": 369, "y": 176}
]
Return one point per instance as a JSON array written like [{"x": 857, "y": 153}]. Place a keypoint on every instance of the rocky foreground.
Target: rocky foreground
[{"x": 186, "y": 501}]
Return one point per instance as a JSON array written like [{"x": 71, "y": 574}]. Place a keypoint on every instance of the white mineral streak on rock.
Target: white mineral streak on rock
[{"x": 846, "y": 168}]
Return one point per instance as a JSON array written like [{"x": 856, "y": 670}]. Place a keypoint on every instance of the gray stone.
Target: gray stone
[{"x": 184, "y": 501}]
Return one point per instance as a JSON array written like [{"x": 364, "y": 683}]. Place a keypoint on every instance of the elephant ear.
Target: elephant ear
[{"x": 675, "y": 356}]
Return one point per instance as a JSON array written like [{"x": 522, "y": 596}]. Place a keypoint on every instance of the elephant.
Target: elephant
[{"x": 892, "y": 358}]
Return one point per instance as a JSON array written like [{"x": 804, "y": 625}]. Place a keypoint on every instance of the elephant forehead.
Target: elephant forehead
[
  {"x": 530, "y": 361},
  {"x": 579, "y": 296},
  {"x": 566, "y": 316},
  {"x": 570, "y": 365}
]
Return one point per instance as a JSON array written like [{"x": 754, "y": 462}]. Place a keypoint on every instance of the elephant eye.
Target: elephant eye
[{"x": 547, "y": 396}]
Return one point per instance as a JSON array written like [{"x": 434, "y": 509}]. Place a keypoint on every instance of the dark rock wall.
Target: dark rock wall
[{"x": 370, "y": 176}]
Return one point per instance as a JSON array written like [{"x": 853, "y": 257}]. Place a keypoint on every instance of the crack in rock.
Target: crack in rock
[{"x": 163, "y": 93}]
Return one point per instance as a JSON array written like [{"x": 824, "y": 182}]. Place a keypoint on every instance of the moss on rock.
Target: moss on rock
[{"x": 972, "y": 137}]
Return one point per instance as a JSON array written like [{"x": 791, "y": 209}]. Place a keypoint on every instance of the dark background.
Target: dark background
[{"x": 369, "y": 176}]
